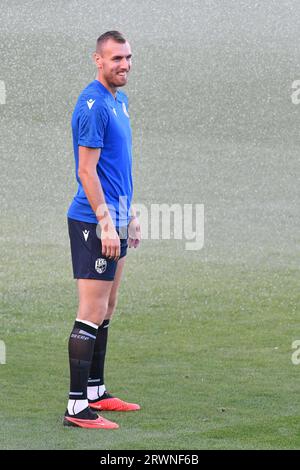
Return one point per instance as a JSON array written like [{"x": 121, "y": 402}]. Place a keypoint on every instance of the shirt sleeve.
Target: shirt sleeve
[{"x": 92, "y": 126}]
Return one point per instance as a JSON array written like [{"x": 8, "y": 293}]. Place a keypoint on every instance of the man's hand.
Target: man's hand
[
  {"x": 134, "y": 233},
  {"x": 110, "y": 242}
]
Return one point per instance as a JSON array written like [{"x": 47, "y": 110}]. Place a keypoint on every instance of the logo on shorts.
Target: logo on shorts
[
  {"x": 100, "y": 265},
  {"x": 86, "y": 234}
]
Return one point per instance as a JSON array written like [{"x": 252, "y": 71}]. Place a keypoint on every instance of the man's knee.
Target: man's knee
[{"x": 93, "y": 311}]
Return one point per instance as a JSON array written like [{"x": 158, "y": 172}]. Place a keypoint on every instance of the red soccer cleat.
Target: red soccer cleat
[
  {"x": 88, "y": 419},
  {"x": 110, "y": 403}
]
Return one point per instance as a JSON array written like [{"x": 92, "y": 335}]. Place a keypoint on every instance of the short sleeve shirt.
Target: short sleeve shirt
[{"x": 101, "y": 121}]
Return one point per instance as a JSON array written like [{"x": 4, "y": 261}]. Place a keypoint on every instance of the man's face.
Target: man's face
[{"x": 114, "y": 60}]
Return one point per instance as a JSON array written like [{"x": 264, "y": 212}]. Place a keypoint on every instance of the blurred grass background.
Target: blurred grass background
[{"x": 201, "y": 339}]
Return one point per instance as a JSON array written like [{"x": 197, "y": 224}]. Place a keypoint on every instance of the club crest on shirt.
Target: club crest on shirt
[
  {"x": 100, "y": 265},
  {"x": 125, "y": 109}
]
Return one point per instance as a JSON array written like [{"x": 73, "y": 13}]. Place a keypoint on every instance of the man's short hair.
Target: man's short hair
[{"x": 115, "y": 35}]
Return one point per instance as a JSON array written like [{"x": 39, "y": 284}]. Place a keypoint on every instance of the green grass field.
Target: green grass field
[
  {"x": 202, "y": 340},
  {"x": 206, "y": 350}
]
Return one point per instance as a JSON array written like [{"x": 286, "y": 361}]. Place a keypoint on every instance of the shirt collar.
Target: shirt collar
[{"x": 103, "y": 88}]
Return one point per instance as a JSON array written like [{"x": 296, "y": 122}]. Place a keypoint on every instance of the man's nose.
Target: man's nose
[{"x": 124, "y": 64}]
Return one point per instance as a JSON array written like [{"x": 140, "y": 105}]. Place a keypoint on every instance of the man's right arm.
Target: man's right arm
[{"x": 87, "y": 172}]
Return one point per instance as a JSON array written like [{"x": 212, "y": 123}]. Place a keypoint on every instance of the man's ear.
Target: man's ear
[{"x": 98, "y": 60}]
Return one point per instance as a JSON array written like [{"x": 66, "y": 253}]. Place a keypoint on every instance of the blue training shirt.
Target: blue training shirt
[{"x": 101, "y": 121}]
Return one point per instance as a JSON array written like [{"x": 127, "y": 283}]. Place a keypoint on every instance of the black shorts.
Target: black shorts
[{"x": 86, "y": 250}]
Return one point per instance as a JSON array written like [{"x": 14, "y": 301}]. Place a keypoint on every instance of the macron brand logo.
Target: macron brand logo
[
  {"x": 125, "y": 109},
  {"x": 86, "y": 234},
  {"x": 90, "y": 103}
]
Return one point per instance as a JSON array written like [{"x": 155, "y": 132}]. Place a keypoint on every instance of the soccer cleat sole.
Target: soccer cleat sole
[{"x": 99, "y": 423}]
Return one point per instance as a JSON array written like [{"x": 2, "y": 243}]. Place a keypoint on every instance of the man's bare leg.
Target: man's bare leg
[
  {"x": 98, "y": 397},
  {"x": 93, "y": 296}
]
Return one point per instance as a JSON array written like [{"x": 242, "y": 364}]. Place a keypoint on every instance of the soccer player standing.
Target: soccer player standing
[{"x": 102, "y": 224}]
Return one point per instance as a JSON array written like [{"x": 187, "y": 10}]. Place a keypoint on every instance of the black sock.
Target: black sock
[
  {"x": 81, "y": 347},
  {"x": 96, "y": 376}
]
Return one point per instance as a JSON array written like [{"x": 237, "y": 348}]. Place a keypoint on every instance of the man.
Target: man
[{"x": 102, "y": 223}]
